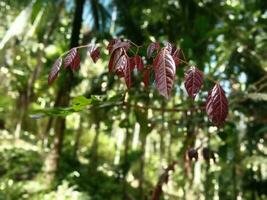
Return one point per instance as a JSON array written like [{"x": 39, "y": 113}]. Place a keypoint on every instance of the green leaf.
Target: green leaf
[{"x": 77, "y": 104}]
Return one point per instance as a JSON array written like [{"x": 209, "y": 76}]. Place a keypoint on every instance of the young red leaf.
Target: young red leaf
[
  {"x": 139, "y": 62},
  {"x": 114, "y": 59},
  {"x": 125, "y": 45},
  {"x": 132, "y": 62},
  {"x": 217, "y": 105},
  {"x": 146, "y": 77},
  {"x": 151, "y": 48},
  {"x": 70, "y": 57},
  {"x": 94, "y": 53},
  {"x": 111, "y": 43},
  {"x": 164, "y": 68},
  {"x": 168, "y": 46},
  {"x": 121, "y": 66},
  {"x": 76, "y": 62},
  {"x": 127, "y": 73},
  {"x": 193, "y": 81},
  {"x": 176, "y": 56},
  {"x": 54, "y": 71}
]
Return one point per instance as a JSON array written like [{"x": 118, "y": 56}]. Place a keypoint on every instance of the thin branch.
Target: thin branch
[
  {"x": 136, "y": 45},
  {"x": 164, "y": 178},
  {"x": 158, "y": 109}
]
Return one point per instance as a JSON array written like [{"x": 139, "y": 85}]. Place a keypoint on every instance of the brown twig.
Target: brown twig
[
  {"x": 162, "y": 109},
  {"x": 164, "y": 178}
]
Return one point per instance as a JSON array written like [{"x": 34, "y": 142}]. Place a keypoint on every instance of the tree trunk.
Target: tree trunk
[{"x": 62, "y": 100}]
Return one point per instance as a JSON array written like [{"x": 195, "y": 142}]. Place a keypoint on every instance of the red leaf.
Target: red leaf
[
  {"x": 217, "y": 105},
  {"x": 168, "y": 46},
  {"x": 176, "y": 56},
  {"x": 151, "y": 48},
  {"x": 132, "y": 62},
  {"x": 121, "y": 65},
  {"x": 125, "y": 45},
  {"x": 111, "y": 43},
  {"x": 146, "y": 77},
  {"x": 193, "y": 81},
  {"x": 164, "y": 68},
  {"x": 76, "y": 62},
  {"x": 137, "y": 61},
  {"x": 94, "y": 53},
  {"x": 114, "y": 59},
  {"x": 54, "y": 71},
  {"x": 70, "y": 57},
  {"x": 127, "y": 73}
]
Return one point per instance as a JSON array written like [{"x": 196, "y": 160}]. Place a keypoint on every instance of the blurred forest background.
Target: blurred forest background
[{"x": 90, "y": 147}]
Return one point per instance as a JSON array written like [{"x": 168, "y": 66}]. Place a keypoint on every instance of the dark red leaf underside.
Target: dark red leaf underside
[
  {"x": 94, "y": 53},
  {"x": 139, "y": 62},
  {"x": 54, "y": 71},
  {"x": 193, "y": 81},
  {"x": 70, "y": 57},
  {"x": 111, "y": 43},
  {"x": 121, "y": 65},
  {"x": 176, "y": 56},
  {"x": 164, "y": 68},
  {"x": 146, "y": 77},
  {"x": 125, "y": 45},
  {"x": 217, "y": 105},
  {"x": 76, "y": 62},
  {"x": 168, "y": 46},
  {"x": 113, "y": 66},
  {"x": 127, "y": 73},
  {"x": 132, "y": 62},
  {"x": 151, "y": 48}
]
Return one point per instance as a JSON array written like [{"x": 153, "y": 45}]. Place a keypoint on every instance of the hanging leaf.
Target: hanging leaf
[
  {"x": 217, "y": 105},
  {"x": 193, "y": 81},
  {"x": 168, "y": 46},
  {"x": 111, "y": 43},
  {"x": 132, "y": 62},
  {"x": 76, "y": 62},
  {"x": 70, "y": 57},
  {"x": 121, "y": 65},
  {"x": 125, "y": 45},
  {"x": 54, "y": 71},
  {"x": 114, "y": 60},
  {"x": 127, "y": 71},
  {"x": 164, "y": 68},
  {"x": 94, "y": 53},
  {"x": 146, "y": 76},
  {"x": 176, "y": 55},
  {"x": 151, "y": 48},
  {"x": 139, "y": 62}
]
